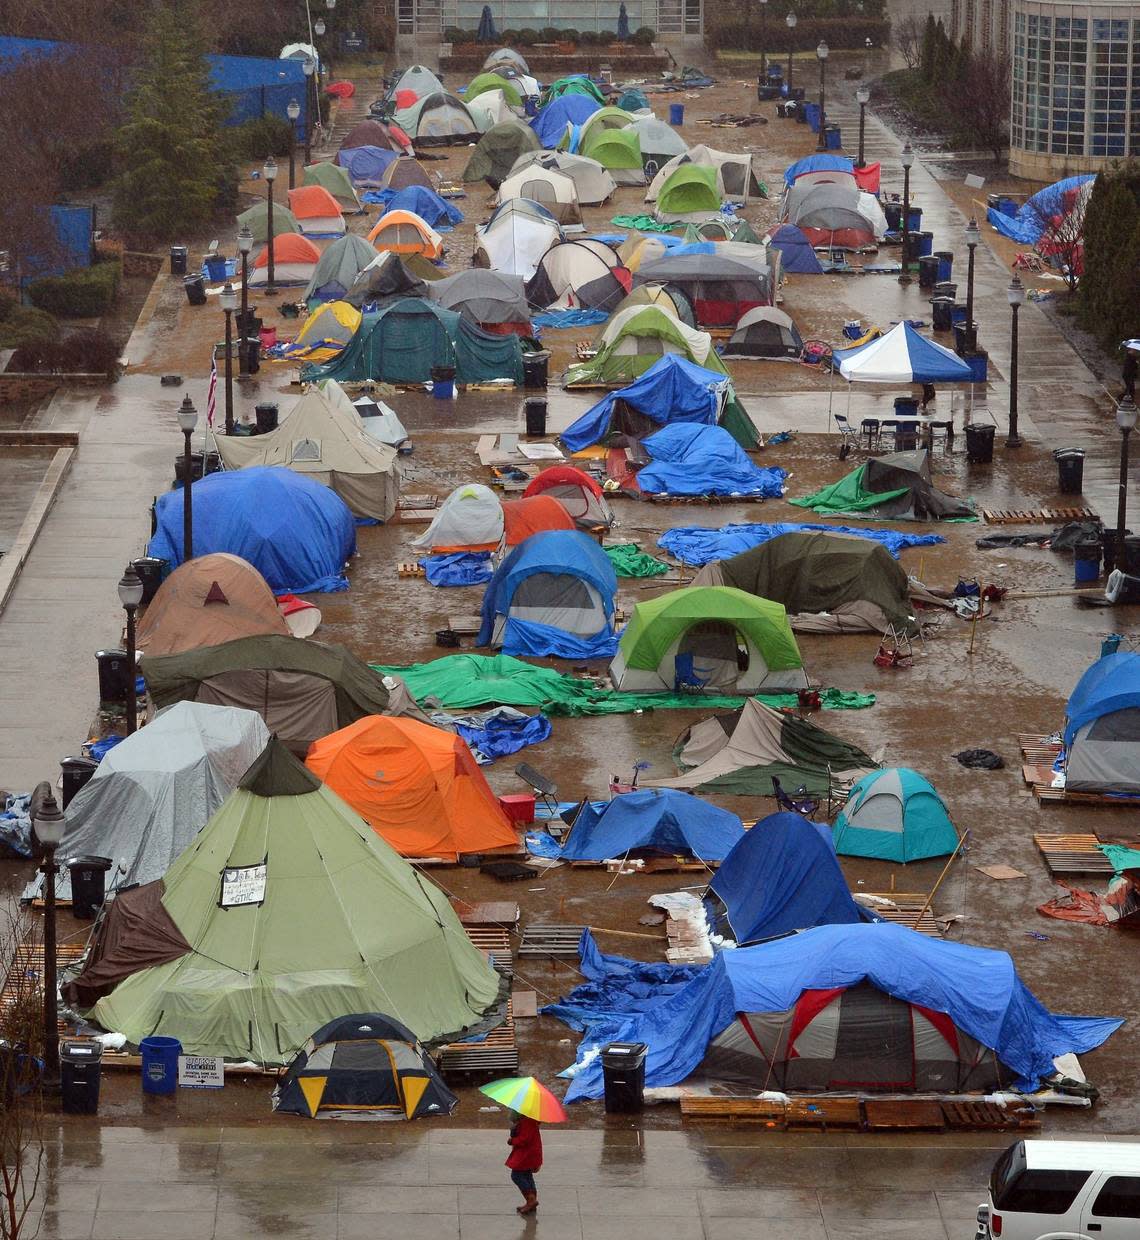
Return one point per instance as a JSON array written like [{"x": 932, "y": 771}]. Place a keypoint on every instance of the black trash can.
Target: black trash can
[
  {"x": 150, "y": 569},
  {"x": 80, "y": 1068},
  {"x": 965, "y": 338},
  {"x": 535, "y": 370},
  {"x": 195, "y": 287},
  {"x": 927, "y": 271},
  {"x": 946, "y": 288},
  {"x": 266, "y": 416},
  {"x": 74, "y": 773},
  {"x": 942, "y": 309},
  {"x": 114, "y": 677},
  {"x": 623, "y": 1071},
  {"x": 88, "y": 884},
  {"x": 252, "y": 347},
  {"x": 906, "y": 407},
  {"x": 534, "y": 410},
  {"x": 248, "y": 324},
  {"x": 893, "y": 212},
  {"x": 179, "y": 255},
  {"x": 979, "y": 444},
  {"x": 1070, "y": 470}
]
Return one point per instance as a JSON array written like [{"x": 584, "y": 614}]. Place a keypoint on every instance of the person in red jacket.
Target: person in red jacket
[{"x": 525, "y": 1159}]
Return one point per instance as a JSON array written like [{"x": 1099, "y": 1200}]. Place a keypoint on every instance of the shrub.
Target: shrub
[
  {"x": 644, "y": 35},
  {"x": 837, "y": 32},
  {"x": 83, "y": 294},
  {"x": 569, "y": 35},
  {"x": 24, "y": 326},
  {"x": 88, "y": 168},
  {"x": 255, "y": 139},
  {"x": 89, "y": 351},
  {"x": 592, "y": 38},
  {"x": 508, "y": 38},
  {"x": 528, "y": 36},
  {"x": 551, "y": 34},
  {"x": 454, "y": 34}
]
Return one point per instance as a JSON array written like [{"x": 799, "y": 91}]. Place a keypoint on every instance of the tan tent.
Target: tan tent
[
  {"x": 325, "y": 439},
  {"x": 207, "y": 601}
]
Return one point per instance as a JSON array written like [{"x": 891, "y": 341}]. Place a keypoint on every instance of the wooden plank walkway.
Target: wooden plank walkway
[{"x": 859, "y": 1112}]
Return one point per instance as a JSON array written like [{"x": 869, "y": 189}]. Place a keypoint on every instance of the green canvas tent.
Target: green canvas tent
[
  {"x": 889, "y": 488},
  {"x": 287, "y": 912},
  {"x": 738, "y": 753},
  {"x": 402, "y": 341},
  {"x": 336, "y": 180},
  {"x": 256, "y": 219},
  {"x": 828, "y": 583},
  {"x": 690, "y": 190},
  {"x": 492, "y": 81},
  {"x": 617, "y": 150},
  {"x": 894, "y": 815},
  {"x": 710, "y": 639},
  {"x": 496, "y": 151},
  {"x": 573, "y": 85}
]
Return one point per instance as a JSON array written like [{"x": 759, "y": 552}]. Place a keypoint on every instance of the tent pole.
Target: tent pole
[{"x": 945, "y": 870}]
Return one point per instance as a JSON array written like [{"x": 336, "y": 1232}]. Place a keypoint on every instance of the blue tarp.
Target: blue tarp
[
  {"x": 1111, "y": 684},
  {"x": 784, "y": 876},
  {"x": 1029, "y": 223},
  {"x": 501, "y": 732},
  {"x": 697, "y": 544},
  {"x": 550, "y": 124},
  {"x": 569, "y": 318},
  {"x": 690, "y": 459},
  {"x": 459, "y": 568},
  {"x": 256, "y": 85},
  {"x": 658, "y": 818},
  {"x": 554, "y": 553},
  {"x": 671, "y": 390},
  {"x": 978, "y": 988},
  {"x": 421, "y": 201},
  {"x": 817, "y": 163},
  {"x": 365, "y": 163},
  {"x": 797, "y": 255},
  {"x": 297, "y": 533}
]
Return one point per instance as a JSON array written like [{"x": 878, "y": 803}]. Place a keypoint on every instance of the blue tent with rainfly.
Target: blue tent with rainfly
[
  {"x": 956, "y": 989},
  {"x": 296, "y": 532},
  {"x": 654, "y": 820},
  {"x": 781, "y": 877},
  {"x": 821, "y": 162},
  {"x": 894, "y": 815},
  {"x": 671, "y": 390},
  {"x": 366, "y": 165},
  {"x": 550, "y": 124},
  {"x": 553, "y": 595},
  {"x": 1102, "y": 724},
  {"x": 1111, "y": 684},
  {"x": 435, "y": 211},
  {"x": 1058, "y": 199},
  {"x": 796, "y": 253},
  {"x": 691, "y": 459}
]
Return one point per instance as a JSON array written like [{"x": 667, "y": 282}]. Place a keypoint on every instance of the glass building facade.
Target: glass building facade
[{"x": 668, "y": 17}]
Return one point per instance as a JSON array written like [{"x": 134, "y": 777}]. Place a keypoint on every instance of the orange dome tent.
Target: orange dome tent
[
  {"x": 418, "y": 787},
  {"x": 404, "y": 232},
  {"x": 294, "y": 259},
  {"x": 204, "y": 602},
  {"x": 524, "y": 517},
  {"x": 316, "y": 211}
]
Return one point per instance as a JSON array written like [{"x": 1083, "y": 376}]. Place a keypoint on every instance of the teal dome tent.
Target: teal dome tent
[{"x": 894, "y": 815}]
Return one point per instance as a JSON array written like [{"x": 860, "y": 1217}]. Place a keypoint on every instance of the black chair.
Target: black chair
[{"x": 545, "y": 790}]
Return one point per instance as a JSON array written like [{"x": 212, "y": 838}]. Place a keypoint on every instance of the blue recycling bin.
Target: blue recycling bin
[
  {"x": 923, "y": 244},
  {"x": 979, "y": 366},
  {"x": 914, "y": 220},
  {"x": 833, "y": 138},
  {"x": 945, "y": 264},
  {"x": 811, "y": 115},
  {"x": 676, "y": 115},
  {"x": 160, "y": 1064},
  {"x": 531, "y": 105}
]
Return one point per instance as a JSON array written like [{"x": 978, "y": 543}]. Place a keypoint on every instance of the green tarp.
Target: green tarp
[
  {"x": 462, "y": 681},
  {"x": 643, "y": 223},
  {"x": 628, "y": 561},
  {"x": 897, "y": 487},
  {"x": 573, "y": 85},
  {"x": 1120, "y": 857}
]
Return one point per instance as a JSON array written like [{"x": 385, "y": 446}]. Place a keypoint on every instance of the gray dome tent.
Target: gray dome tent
[{"x": 765, "y": 332}]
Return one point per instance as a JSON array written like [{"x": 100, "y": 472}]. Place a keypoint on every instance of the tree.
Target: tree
[
  {"x": 1062, "y": 238},
  {"x": 983, "y": 101},
  {"x": 1109, "y": 291},
  {"x": 169, "y": 146},
  {"x": 909, "y": 37}
]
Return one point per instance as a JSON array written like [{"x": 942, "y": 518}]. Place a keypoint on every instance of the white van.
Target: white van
[{"x": 1064, "y": 1190}]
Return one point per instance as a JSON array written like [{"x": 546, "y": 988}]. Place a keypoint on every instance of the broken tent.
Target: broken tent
[
  {"x": 287, "y": 912},
  {"x": 888, "y": 488},
  {"x": 686, "y": 458},
  {"x": 653, "y": 820}
]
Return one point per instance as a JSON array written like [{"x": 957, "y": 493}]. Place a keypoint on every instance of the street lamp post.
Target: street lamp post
[
  {"x": 130, "y": 595},
  {"x": 187, "y": 422},
  {"x": 292, "y": 111},
  {"x": 862, "y": 98},
  {"x": 269, "y": 172},
  {"x": 245, "y": 245},
  {"x": 229, "y": 300},
  {"x": 49, "y": 823},
  {"x": 1015, "y": 294},
  {"x": 821, "y": 52},
  {"x": 1126, "y": 420},
  {"x": 973, "y": 239},
  {"x": 763, "y": 39},
  {"x": 310, "y": 67},
  {"x": 907, "y": 160},
  {"x": 791, "y": 21}
]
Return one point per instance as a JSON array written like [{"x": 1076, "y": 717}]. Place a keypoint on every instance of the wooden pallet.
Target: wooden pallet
[
  {"x": 1073, "y": 853},
  {"x": 1038, "y": 749},
  {"x": 906, "y": 911},
  {"x": 495, "y": 943},
  {"x": 987, "y": 1117},
  {"x": 648, "y": 865},
  {"x": 410, "y": 568},
  {"x": 550, "y": 941},
  {"x": 26, "y": 972},
  {"x": 1039, "y": 777},
  {"x": 903, "y": 1114},
  {"x": 1038, "y": 516},
  {"x": 503, "y": 913},
  {"x": 496, "y": 1054},
  {"x": 824, "y": 1113},
  {"x": 736, "y": 1110}
]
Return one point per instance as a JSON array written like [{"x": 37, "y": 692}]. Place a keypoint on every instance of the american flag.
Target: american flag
[{"x": 212, "y": 392}]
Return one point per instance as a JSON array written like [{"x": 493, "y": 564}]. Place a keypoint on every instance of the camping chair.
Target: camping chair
[
  {"x": 849, "y": 439},
  {"x": 685, "y": 679},
  {"x": 545, "y": 790},
  {"x": 800, "y": 803}
]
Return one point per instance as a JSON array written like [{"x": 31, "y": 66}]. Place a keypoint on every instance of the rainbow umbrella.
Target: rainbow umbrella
[{"x": 528, "y": 1097}]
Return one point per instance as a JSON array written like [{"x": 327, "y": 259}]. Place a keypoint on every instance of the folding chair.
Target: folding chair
[
  {"x": 685, "y": 679},
  {"x": 545, "y": 790},
  {"x": 800, "y": 803},
  {"x": 848, "y": 438}
]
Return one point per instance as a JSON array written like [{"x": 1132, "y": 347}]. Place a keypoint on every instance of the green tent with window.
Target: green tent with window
[
  {"x": 484, "y": 82},
  {"x": 618, "y": 151},
  {"x": 689, "y": 190},
  {"x": 576, "y": 84},
  {"x": 287, "y": 912},
  {"x": 256, "y": 219},
  {"x": 336, "y": 180}
]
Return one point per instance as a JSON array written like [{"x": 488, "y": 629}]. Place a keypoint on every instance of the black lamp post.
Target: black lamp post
[
  {"x": 1015, "y": 294},
  {"x": 269, "y": 172},
  {"x": 245, "y": 245},
  {"x": 49, "y": 823},
  {"x": 310, "y": 67},
  {"x": 292, "y": 111},
  {"x": 791, "y": 22},
  {"x": 907, "y": 160},
  {"x": 973, "y": 239},
  {"x": 763, "y": 38},
  {"x": 229, "y": 301},
  {"x": 187, "y": 422},
  {"x": 130, "y": 595},
  {"x": 821, "y": 52},
  {"x": 862, "y": 98},
  {"x": 1126, "y": 420}
]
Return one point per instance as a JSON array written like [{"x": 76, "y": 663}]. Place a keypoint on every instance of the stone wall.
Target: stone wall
[
  {"x": 136, "y": 264},
  {"x": 21, "y": 388}
]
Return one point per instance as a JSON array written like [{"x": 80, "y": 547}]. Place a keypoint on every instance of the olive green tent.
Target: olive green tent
[
  {"x": 336, "y": 180},
  {"x": 256, "y": 219},
  {"x": 492, "y": 81},
  {"x": 828, "y": 583},
  {"x": 496, "y": 151},
  {"x": 619, "y": 151},
  {"x": 690, "y": 191},
  {"x": 287, "y": 912},
  {"x": 711, "y": 639}
]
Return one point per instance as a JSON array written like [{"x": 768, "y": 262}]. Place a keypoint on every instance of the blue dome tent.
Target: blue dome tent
[
  {"x": 894, "y": 815},
  {"x": 797, "y": 256},
  {"x": 553, "y": 595},
  {"x": 1102, "y": 727},
  {"x": 657, "y": 820},
  {"x": 297, "y": 533}
]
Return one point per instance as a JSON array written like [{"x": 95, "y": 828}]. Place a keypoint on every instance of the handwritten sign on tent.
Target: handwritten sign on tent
[{"x": 242, "y": 885}]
